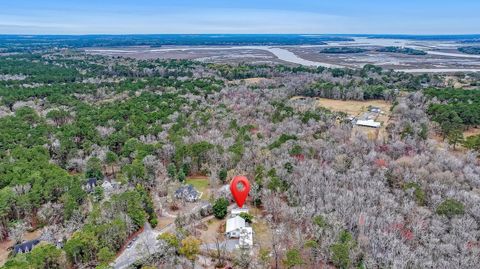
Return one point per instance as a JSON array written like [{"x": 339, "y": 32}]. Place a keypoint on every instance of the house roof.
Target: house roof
[
  {"x": 187, "y": 192},
  {"x": 25, "y": 246},
  {"x": 91, "y": 181},
  {"x": 234, "y": 224},
  {"x": 369, "y": 123}
]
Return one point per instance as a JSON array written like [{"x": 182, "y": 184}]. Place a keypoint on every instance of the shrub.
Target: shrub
[
  {"x": 418, "y": 192},
  {"x": 220, "y": 208},
  {"x": 247, "y": 217},
  {"x": 450, "y": 207}
]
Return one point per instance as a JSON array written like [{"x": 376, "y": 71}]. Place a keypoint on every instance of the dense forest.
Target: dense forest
[
  {"x": 336, "y": 196},
  {"x": 470, "y": 50}
]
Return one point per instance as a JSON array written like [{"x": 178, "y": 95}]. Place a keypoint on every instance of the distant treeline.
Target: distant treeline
[
  {"x": 335, "y": 50},
  {"x": 470, "y": 50},
  {"x": 12, "y": 43},
  {"x": 408, "y": 51}
]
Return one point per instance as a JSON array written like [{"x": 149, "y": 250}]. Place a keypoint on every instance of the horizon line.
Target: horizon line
[{"x": 311, "y": 34}]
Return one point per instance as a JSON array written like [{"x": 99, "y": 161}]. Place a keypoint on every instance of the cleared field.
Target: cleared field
[
  {"x": 357, "y": 109},
  {"x": 352, "y": 107}
]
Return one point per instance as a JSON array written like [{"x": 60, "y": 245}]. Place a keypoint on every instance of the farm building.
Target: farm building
[
  {"x": 368, "y": 123},
  {"x": 234, "y": 226},
  {"x": 187, "y": 193}
]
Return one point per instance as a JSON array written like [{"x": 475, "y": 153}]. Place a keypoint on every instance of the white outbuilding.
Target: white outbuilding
[
  {"x": 234, "y": 226},
  {"x": 368, "y": 123}
]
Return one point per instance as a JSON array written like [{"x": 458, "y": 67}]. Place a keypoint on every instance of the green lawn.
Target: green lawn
[{"x": 201, "y": 184}]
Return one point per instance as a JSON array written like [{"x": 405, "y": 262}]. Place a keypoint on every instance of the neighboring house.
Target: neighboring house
[
  {"x": 90, "y": 184},
  {"x": 246, "y": 237},
  {"x": 107, "y": 186},
  {"x": 224, "y": 192},
  {"x": 187, "y": 193},
  {"x": 206, "y": 209},
  {"x": 368, "y": 123},
  {"x": 110, "y": 187},
  {"x": 25, "y": 247},
  {"x": 234, "y": 226},
  {"x": 237, "y": 211}
]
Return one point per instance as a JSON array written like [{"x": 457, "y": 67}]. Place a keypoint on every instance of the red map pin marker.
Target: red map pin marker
[{"x": 240, "y": 195}]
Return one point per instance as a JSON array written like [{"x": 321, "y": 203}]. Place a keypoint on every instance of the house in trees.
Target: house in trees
[
  {"x": 110, "y": 187},
  {"x": 206, "y": 209},
  {"x": 187, "y": 193},
  {"x": 25, "y": 247},
  {"x": 90, "y": 184},
  {"x": 234, "y": 227}
]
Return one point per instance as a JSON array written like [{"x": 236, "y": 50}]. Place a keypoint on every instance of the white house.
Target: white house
[
  {"x": 234, "y": 226},
  {"x": 236, "y": 211},
  {"x": 246, "y": 237},
  {"x": 368, "y": 123}
]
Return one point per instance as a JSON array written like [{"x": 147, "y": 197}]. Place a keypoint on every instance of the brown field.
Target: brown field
[
  {"x": 213, "y": 227},
  {"x": 357, "y": 108},
  {"x": 352, "y": 107}
]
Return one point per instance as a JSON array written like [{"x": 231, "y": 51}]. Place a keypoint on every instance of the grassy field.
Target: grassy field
[{"x": 201, "y": 184}]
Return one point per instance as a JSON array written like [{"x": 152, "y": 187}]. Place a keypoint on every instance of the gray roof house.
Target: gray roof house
[
  {"x": 187, "y": 193},
  {"x": 25, "y": 246},
  {"x": 90, "y": 184}
]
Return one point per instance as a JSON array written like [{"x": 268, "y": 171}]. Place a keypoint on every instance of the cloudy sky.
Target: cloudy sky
[{"x": 240, "y": 16}]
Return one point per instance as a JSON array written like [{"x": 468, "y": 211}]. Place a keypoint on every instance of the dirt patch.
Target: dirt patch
[
  {"x": 164, "y": 222},
  {"x": 471, "y": 132},
  {"x": 213, "y": 230},
  {"x": 262, "y": 233}
]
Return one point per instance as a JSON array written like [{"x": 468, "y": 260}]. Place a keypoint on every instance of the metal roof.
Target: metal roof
[{"x": 234, "y": 224}]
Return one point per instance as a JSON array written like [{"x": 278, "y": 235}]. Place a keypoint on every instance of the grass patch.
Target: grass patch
[{"x": 201, "y": 184}]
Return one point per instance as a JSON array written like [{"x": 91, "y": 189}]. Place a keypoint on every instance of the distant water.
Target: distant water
[{"x": 288, "y": 56}]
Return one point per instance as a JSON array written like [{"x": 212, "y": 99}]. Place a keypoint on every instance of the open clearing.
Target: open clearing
[
  {"x": 202, "y": 185},
  {"x": 357, "y": 108},
  {"x": 352, "y": 107}
]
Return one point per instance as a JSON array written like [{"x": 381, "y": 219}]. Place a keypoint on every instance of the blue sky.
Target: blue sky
[{"x": 240, "y": 16}]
